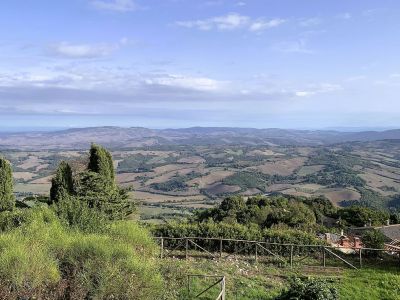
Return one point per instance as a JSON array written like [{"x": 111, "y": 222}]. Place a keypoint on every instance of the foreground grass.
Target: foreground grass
[
  {"x": 44, "y": 259},
  {"x": 245, "y": 281},
  {"x": 371, "y": 283}
]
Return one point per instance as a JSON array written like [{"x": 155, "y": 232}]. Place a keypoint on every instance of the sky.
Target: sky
[{"x": 182, "y": 63}]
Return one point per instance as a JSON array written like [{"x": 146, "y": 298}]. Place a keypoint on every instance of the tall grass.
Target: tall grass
[{"x": 42, "y": 258}]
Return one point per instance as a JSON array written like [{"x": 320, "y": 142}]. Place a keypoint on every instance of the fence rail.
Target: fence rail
[
  {"x": 220, "y": 281},
  {"x": 285, "y": 253}
]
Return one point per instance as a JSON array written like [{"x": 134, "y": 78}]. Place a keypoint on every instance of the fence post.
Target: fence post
[
  {"x": 256, "y": 253},
  {"x": 324, "y": 257},
  {"x": 223, "y": 288},
  {"x": 291, "y": 256},
  {"x": 162, "y": 248},
  {"x": 186, "y": 247},
  {"x": 220, "y": 248},
  {"x": 360, "y": 258}
]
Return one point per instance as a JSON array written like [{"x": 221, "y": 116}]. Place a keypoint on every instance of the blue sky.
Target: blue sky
[{"x": 181, "y": 63}]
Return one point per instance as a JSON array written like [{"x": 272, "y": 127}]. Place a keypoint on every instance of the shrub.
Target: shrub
[
  {"x": 360, "y": 216},
  {"x": 264, "y": 211},
  {"x": 373, "y": 239},
  {"x": 78, "y": 215},
  {"x": 42, "y": 258},
  {"x": 234, "y": 231},
  {"x": 309, "y": 289}
]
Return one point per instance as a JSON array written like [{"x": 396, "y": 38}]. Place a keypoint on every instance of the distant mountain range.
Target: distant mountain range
[{"x": 118, "y": 137}]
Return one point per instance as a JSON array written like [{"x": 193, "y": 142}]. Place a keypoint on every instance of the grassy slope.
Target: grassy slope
[
  {"x": 247, "y": 281},
  {"x": 371, "y": 284}
]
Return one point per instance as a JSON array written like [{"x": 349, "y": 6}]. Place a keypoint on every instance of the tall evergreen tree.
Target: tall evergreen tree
[
  {"x": 100, "y": 161},
  {"x": 7, "y": 199},
  {"x": 94, "y": 189},
  {"x": 98, "y": 188},
  {"x": 62, "y": 185},
  {"x": 97, "y": 192}
]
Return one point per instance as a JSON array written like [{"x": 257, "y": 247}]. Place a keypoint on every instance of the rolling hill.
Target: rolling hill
[{"x": 118, "y": 137}]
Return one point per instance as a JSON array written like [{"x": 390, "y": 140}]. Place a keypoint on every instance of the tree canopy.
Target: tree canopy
[
  {"x": 263, "y": 211},
  {"x": 7, "y": 199},
  {"x": 360, "y": 216},
  {"x": 94, "y": 187},
  {"x": 62, "y": 184},
  {"x": 100, "y": 161}
]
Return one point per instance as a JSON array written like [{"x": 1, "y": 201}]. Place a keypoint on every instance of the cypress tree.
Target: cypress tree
[
  {"x": 94, "y": 189},
  {"x": 100, "y": 161},
  {"x": 98, "y": 189},
  {"x": 7, "y": 199},
  {"x": 62, "y": 185}
]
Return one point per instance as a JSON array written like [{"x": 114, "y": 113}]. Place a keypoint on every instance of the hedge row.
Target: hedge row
[{"x": 237, "y": 232}]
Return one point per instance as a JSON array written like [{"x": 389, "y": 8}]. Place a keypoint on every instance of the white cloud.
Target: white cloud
[
  {"x": 114, "y": 5},
  {"x": 310, "y": 22},
  {"x": 344, "y": 16},
  {"x": 299, "y": 46},
  {"x": 371, "y": 12},
  {"x": 303, "y": 93},
  {"x": 240, "y": 3},
  {"x": 227, "y": 22},
  {"x": 70, "y": 50},
  {"x": 315, "y": 89},
  {"x": 262, "y": 25},
  {"x": 110, "y": 79},
  {"x": 213, "y": 3},
  {"x": 392, "y": 80},
  {"x": 231, "y": 21},
  {"x": 356, "y": 78},
  {"x": 72, "y": 87},
  {"x": 187, "y": 82},
  {"x": 81, "y": 50}
]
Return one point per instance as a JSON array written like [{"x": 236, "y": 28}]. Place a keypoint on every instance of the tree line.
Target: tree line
[{"x": 92, "y": 189}]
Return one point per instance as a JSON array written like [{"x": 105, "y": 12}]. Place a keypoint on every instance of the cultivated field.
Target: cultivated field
[{"x": 182, "y": 178}]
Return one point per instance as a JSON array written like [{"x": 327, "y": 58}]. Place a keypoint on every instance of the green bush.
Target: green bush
[
  {"x": 235, "y": 231},
  {"x": 77, "y": 214},
  {"x": 309, "y": 289},
  {"x": 373, "y": 239},
  {"x": 361, "y": 216}
]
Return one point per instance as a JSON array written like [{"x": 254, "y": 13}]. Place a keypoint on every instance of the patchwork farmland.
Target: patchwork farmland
[{"x": 181, "y": 178}]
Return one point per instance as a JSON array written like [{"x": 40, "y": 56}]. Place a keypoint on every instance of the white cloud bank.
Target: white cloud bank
[
  {"x": 71, "y": 50},
  {"x": 232, "y": 21},
  {"x": 114, "y": 5}
]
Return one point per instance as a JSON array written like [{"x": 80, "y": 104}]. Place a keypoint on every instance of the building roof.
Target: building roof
[{"x": 392, "y": 232}]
